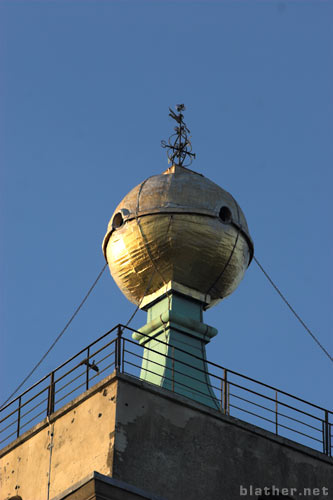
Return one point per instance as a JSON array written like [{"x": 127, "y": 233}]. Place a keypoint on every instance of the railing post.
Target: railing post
[
  {"x": 221, "y": 394},
  {"x": 18, "y": 417},
  {"x": 329, "y": 439},
  {"x": 276, "y": 414},
  {"x": 50, "y": 399},
  {"x": 123, "y": 356},
  {"x": 326, "y": 435},
  {"x": 87, "y": 368},
  {"x": 225, "y": 375},
  {"x": 228, "y": 388},
  {"x": 118, "y": 349}
]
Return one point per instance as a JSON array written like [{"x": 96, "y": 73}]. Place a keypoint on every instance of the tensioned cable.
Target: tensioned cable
[
  {"x": 143, "y": 296},
  {"x": 148, "y": 285},
  {"x": 292, "y": 309},
  {"x": 232, "y": 251},
  {"x": 143, "y": 236},
  {"x": 59, "y": 336}
]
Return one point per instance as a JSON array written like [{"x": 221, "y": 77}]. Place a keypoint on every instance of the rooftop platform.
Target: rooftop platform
[{"x": 239, "y": 396}]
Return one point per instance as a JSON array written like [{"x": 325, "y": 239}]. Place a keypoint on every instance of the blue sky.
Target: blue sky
[{"x": 85, "y": 90}]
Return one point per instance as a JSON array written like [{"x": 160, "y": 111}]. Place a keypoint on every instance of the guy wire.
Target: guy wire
[
  {"x": 293, "y": 310},
  {"x": 58, "y": 337},
  {"x": 232, "y": 251},
  {"x": 148, "y": 286}
]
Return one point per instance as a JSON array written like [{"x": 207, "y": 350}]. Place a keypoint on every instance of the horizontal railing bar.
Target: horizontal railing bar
[
  {"x": 274, "y": 400},
  {"x": 104, "y": 369},
  {"x": 180, "y": 385},
  {"x": 99, "y": 361},
  {"x": 32, "y": 419},
  {"x": 25, "y": 392},
  {"x": 301, "y": 433},
  {"x": 230, "y": 405},
  {"x": 9, "y": 435},
  {"x": 29, "y": 400},
  {"x": 58, "y": 368},
  {"x": 43, "y": 401},
  {"x": 70, "y": 382},
  {"x": 252, "y": 402},
  {"x": 176, "y": 371},
  {"x": 14, "y": 422},
  {"x": 25, "y": 403},
  {"x": 300, "y": 422},
  {"x": 56, "y": 381},
  {"x": 9, "y": 415},
  {"x": 286, "y": 416},
  {"x": 102, "y": 349},
  {"x": 191, "y": 389},
  {"x": 229, "y": 381},
  {"x": 90, "y": 379},
  {"x": 83, "y": 373},
  {"x": 82, "y": 362},
  {"x": 58, "y": 390},
  {"x": 275, "y": 413},
  {"x": 190, "y": 354},
  {"x": 230, "y": 371},
  {"x": 273, "y": 422},
  {"x": 94, "y": 376},
  {"x": 85, "y": 349},
  {"x": 251, "y": 413},
  {"x": 176, "y": 360},
  {"x": 69, "y": 393}
]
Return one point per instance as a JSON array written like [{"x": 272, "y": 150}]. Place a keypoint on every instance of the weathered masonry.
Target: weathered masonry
[{"x": 142, "y": 436}]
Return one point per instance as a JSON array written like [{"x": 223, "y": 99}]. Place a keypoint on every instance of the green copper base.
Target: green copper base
[{"x": 174, "y": 339}]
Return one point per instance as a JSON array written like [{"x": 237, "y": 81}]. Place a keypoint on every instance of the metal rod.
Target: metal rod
[
  {"x": 50, "y": 402},
  {"x": 118, "y": 349},
  {"x": 285, "y": 405},
  {"x": 210, "y": 363},
  {"x": 276, "y": 414},
  {"x": 18, "y": 417},
  {"x": 228, "y": 391},
  {"x": 58, "y": 368},
  {"x": 224, "y": 388},
  {"x": 116, "y": 354},
  {"x": 326, "y": 434},
  {"x": 87, "y": 368},
  {"x": 225, "y": 405},
  {"x": 221, "y": 394},
  {"x": 123, "y": 356}
]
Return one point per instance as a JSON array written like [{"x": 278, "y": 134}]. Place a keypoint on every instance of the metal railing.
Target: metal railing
[{"x": 237, "y": 395}]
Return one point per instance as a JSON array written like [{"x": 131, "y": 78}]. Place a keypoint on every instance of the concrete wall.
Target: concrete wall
[
  {"x": 182, "y": 450},
  {"x": 159, "y": 442},
  {"x": 83, "y": 438}
]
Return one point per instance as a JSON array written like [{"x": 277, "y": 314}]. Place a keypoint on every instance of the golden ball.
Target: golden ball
[{"x": 178, "y": 226}]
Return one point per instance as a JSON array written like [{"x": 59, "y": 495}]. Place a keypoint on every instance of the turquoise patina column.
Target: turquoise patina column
[{"x": 174, "y": 340}]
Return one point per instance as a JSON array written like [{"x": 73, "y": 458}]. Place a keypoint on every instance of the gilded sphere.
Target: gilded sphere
[{"x": 178, "y": 226}]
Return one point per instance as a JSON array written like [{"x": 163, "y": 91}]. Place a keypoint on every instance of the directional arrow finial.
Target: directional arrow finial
[{"x": 179, "y": 147}]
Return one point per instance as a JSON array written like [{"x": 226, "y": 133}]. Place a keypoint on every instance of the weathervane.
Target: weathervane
[{"x": 179, "y": 145}]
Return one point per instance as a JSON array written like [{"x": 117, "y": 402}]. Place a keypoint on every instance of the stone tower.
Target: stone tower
[{"x": 175, "y": 245}]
